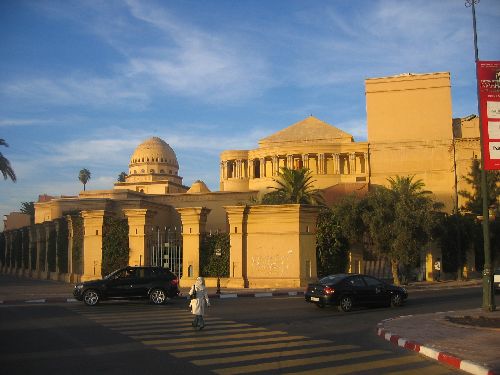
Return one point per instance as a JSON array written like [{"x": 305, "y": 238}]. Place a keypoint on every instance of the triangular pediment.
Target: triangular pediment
[{"x": 310, "y": 129}]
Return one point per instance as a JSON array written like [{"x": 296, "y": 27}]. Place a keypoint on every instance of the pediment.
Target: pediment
[{"x": 308, "y": 130}]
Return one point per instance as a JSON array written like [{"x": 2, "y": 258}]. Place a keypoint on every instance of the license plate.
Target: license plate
[{"x": 315, "y": 299}]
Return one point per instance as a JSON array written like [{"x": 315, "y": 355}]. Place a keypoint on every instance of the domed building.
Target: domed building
[{"x": 153, "y": 169}]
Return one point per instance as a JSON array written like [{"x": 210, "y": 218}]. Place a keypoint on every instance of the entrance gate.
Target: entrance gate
[{"x": 166, "y": 249}]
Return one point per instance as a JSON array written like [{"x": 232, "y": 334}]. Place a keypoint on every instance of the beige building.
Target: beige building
[{"x": 410, "y": 132}]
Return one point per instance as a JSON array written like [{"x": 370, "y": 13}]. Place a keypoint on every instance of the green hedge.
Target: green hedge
[
  {"x": 115, "y": 246},
  {"x": 62, "y": 245},
  {"x": 77, "y": 221},
  {"x": 211, "y": 264}
]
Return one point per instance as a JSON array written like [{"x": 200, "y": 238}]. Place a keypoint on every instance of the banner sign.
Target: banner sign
[{"x": 488, "y": 80}]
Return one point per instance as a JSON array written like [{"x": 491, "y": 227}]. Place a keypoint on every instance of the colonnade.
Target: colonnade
[{"x": 344, "y": 163}]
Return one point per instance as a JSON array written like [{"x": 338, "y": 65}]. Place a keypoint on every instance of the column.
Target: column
[
  {"x": 193, "y": 220},
  {"x": 238, "y": 169},
  {"x": 262, "y": 167},
  {"x": 69, "y": 221},
  {"x": 367, "y": 164},
  {"x": 140, "y": 222},
  {"x": 275, "y": 165},
  {"x": 336, "y": 163},
  {"x": 221, "y": 170},
  {"x": 305, "y": 161},
  {"x": 321, "y": 164},
  {"x": 251, "y": 167},
  {"x": 289, "y": 161},
  {"x": 237, "y": 216},
  {"x": 92, "y": 243},
  {"x": 352, "y": 163}
]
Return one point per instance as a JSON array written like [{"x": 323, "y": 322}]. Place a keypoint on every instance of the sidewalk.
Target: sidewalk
[{"x": 472, "y": 349}]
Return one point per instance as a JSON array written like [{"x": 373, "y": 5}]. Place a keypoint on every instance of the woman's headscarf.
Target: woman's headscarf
[{"x": 200, "y": 283}]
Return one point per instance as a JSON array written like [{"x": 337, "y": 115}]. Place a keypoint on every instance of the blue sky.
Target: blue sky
[{"x": 83, "y": 83}]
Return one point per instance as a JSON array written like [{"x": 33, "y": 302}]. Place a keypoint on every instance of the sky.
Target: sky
[{"x": 83, "y": 83}]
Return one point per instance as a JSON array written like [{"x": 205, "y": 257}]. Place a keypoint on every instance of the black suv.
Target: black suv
[{"x": 155, "y": 283}]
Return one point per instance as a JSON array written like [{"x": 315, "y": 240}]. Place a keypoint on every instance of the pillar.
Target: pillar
[
  {"x": 367, "y": 164},
  {"x": 289, "y": 161},
  {"x": 237, "y": 216},
  {"x": 40, "y": 248},
  {"x": 193, "y": 220},
  {"x": 69, "y": 221},
  {"x": 336, "y": 163},
  {"x": 321, "y": 164},
  {"x": 262, "y": 167},
  {"x": 251, "y": 166},
  {"x": 92, "y": 244},
  {"x": 305, "y": 161},
  {"x": 352, "y": 163},
  {"x": 140, "y": 222}
]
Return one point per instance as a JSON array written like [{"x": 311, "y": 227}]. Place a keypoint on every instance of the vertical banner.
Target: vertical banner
[{"x": 488, "y": 80}]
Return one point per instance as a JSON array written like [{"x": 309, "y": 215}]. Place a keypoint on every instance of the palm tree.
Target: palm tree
[
  {"x": 5, "y": 167},
  {"x": 28, "y": 208},
  {"x": 84, "y": 177},
  {"x": 295, "y": 186}
]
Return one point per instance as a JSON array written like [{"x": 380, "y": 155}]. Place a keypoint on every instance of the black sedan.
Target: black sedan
[
  {"x": 349, "y": 290},
  {"x": 155, "y": 283}
]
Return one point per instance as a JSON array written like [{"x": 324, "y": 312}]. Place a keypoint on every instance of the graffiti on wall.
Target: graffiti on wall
[{"x": 271, "y": 265}]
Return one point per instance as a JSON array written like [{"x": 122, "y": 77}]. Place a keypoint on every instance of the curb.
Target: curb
[{"x": 447, "y": 358}]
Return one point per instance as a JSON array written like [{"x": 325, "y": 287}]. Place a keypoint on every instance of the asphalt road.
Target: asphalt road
[{"x": 244, "y": 335}]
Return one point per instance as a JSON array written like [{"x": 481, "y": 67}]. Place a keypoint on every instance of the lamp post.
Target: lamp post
[
  {"x": 488, "y": 294},
  {"x": 218, "y": 253}
]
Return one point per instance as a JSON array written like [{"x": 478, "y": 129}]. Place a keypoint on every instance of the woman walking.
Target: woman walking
[{"x": 199, "y": 299}]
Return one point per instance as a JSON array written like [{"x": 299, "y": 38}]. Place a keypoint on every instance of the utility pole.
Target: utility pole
[{"x": 488, "y": 293}]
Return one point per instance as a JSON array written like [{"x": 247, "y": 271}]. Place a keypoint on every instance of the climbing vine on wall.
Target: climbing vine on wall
[
  {"x": 51, "y": 250},
  {"x": 26, "y": 247},
  {"x": 212, "y": 264},
  {"x": 77, "y": 221},
  {"x": 115, "y": 246},
  {"x": 2, "y": 248},
  {"x": 62, "y": 245}
]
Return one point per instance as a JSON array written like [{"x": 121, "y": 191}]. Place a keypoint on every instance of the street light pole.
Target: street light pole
[{"x": 488, "y": 294}]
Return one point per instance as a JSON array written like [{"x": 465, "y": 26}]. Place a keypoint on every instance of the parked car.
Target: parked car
[
  {"x": 156, "y": 283},
  {"x": 496, "y": 280},
  {"x": 349, "y": 290}
]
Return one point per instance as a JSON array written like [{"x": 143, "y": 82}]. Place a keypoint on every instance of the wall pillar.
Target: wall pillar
[
  {"x": 336, "y": 163},
  {"x": 92, "y": 244},
  {"x": 289, "y": 161},
  {"x": 140, "y": 222},
  {"x": 237, "y": 216},
  {"x": 40, "y": 248},
  {"x": 69, "y": 220},
  {"x": 262, "y": 167},
  {"x": 352, "y": 163},
  {"x": 193, "y": 220}
]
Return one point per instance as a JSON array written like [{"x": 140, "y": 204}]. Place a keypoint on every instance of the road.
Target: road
[{"x": 244, "y": 335}]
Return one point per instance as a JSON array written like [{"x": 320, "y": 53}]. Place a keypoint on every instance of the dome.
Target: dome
[
  {"x": 154, "y": 157},
  {"x": 198, "y": 187}
]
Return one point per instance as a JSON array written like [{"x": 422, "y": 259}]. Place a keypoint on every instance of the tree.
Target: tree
[
  {"x": 84, "y": 177},
  {"x": 28, "y": 208},
  {"x": 122, "y": 176},
  {"x": 294, "y": 186},
  {"x": 400, "y": 220},
  {"x": 474, "y": 202},
  {"x": 331, "y": 246},
  {"x": 5, "y": 166}
]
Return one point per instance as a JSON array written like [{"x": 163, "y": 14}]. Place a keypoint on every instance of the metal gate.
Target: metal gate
[{"x": 166, "y": 249}]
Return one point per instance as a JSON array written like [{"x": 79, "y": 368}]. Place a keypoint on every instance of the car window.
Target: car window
[
  {"x": 371, "y": 281},
  {"x": 356, "y": 281},
  {"x": 331, "y": 279},
  {"x": 139, "y": 273}
]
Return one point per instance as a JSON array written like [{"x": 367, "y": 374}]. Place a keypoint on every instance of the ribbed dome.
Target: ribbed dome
[
  {"x": 154, "y": 150},
  {"x": 153, "y": 157}
]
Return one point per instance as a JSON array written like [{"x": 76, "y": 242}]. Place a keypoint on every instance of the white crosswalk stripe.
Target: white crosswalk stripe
[{"x": 229, "y": 347}]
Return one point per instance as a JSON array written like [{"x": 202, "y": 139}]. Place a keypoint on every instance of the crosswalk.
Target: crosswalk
[{"x": 227, "y": 347}]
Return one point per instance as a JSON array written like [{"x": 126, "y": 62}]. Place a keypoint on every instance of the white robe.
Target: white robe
[{"x": 198, "y": 304}]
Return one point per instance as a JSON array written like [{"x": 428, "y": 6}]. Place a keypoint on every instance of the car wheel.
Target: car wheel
[
  {"x": 396, "y": 300},
  {"x": 157, "y": 296},
  {"x": 345, "y": 303},
  {"x": 91, "y": 297}
]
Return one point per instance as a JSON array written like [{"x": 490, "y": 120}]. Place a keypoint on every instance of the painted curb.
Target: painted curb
[{"x": 451, "y": 360}]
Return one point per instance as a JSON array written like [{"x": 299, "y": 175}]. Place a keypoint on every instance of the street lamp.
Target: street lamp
[
  {"x": 218, "y": 253},
  {"x": 488, "y": 293}
]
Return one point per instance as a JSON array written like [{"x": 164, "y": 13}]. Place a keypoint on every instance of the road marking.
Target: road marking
[
  {"x": 248, "y": 348},
  {"x": 279, "y": 365}
]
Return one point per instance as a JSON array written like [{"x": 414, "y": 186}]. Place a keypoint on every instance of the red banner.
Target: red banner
[{"x": 488, "y": 80}]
